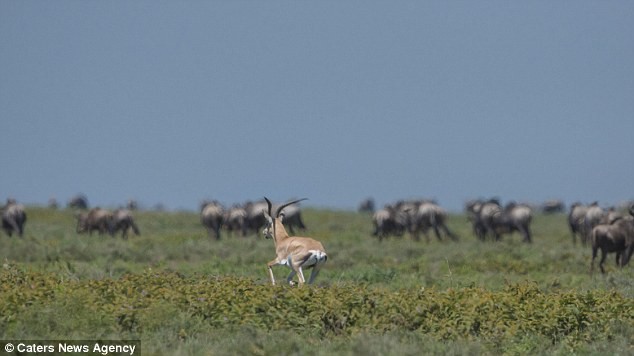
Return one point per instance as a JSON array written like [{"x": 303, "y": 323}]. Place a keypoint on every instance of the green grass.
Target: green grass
[{"x": 176, "y": 242}]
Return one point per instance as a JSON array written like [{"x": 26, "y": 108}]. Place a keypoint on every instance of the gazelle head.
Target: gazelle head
[{"x": 269, "y": 229}]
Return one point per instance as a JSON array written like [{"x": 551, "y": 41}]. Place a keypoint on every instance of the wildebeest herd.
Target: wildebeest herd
[
  {"x": 610, "y": 231},
  {"x": 606, "y": 230},
  {"x": 244, "y": 219},
  {"x": 413, "y": 216}
]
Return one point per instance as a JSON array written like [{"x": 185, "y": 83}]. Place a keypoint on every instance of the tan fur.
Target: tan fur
[{"x": 295, "y": 252}]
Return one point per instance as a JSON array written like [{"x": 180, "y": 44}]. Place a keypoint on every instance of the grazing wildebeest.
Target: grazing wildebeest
[
  {"x": 123, "y": 221},
  {"x": 52, "y": 203},
  {"x": 617, "y": 237},
  {"x": 595, "y": 215},
  {"x": 553, "y": 206},
  {"x": 576, "y": 222},
  {"x": 612, "y": 214},
  {"x": 292, "y": 218},
  {"x": 473, "y": 209},
  {"x": 494, "y": 220},
  {"x": 486, "y": 216},
  {"x": 366, "y": 206},
  {"x": 212, "y": 217},
  {"x": 235, "y": 220},
  {"x": 389, "y": 221},
  {"x": 132, "y": 204},
  {"x": 97, "y": 219},
  {"x": 255, "y": 219},
  {"x": 78, "y": 202},
  {"x": 13, "y": 218},
  {"x": 429, "y": 215}
]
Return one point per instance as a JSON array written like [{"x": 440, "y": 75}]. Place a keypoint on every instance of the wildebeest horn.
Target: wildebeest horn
[{"x": 279, "y": 210}]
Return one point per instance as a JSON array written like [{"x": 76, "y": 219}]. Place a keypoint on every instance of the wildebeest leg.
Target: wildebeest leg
[
  {"x": 449, "y": 232},
  {"x": 525, "y": 233},
  {"x": 301, "y": 223},
  {"x": 585, "y": 237},
  {"x": 416, "y": 234},
  {"x": 492, "y": 233},
  {"x": 135, "y": 228},
  {"x": 11, "y": 225},
  {"x": 437, "y": 232},
  {"x": 314, "y": 273},
  {"x": 594, "y": 256},
  {"x": 618, "y": 258},
  {"x": 480, "y": 232},
  {"x": 604, "y": 254},
  {"x": 627, "y": 254},
  {"x": 496, "y": 235}
]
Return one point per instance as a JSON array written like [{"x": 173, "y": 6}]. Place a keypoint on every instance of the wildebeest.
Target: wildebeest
[
  {"x": 212, "y": 217},
  {"x": 98, "y": 219},
  {"x": 576, "y": 222},
  {"x": 472, "y": 209},
  {"x": 618, "y": 237},
  {"x": 389, "y": 221},
  {"x": 13, "y": 218},
  {"x": 78, "y": 202},
  {"x": 612, "y": 214},
  {"x": 52, "y": 203},
  {"x": 427, "y": 215},
  {"x": 255, "y": 219},
  {"x": 124, "y": 221},
  {"x": 235, "y": 220},
  {"x": 292, "y": 218},
  {"x": 413, "y": 216},
  {"x": 481, "y": 213},
  {"x": 132, "y": 204},
  {"x": 553, "y": 206},
  {"x": 595, "y": 215},
  {"x": 493, "y": 220},
  {"x": 366, "y": 206}
]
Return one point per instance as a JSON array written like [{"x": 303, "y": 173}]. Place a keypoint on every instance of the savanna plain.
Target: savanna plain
[{"x": 183, "y": 293}]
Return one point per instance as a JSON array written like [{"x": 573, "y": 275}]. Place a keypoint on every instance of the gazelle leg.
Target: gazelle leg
[
  {"x": 269, "y": 265},
  {"x": 300, "y": 275},
  {"x": 289, "y": 279},
  {"x": 314, "y": 273}
]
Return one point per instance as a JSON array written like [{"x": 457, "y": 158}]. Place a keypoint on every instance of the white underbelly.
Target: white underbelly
[{"x": 316, "y": 257}]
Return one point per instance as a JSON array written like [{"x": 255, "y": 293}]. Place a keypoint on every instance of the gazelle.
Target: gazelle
[{"x": 293, "y": 252}]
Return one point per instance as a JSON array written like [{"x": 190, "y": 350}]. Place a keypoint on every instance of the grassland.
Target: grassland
[{"x": 181, "y": 292}]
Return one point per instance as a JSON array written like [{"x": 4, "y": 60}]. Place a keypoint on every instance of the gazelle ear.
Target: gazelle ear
[{"x": 281, "y": 217}]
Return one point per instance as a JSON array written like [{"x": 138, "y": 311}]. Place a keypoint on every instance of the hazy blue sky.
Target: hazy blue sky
[{"x": 176, "y": 101}]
